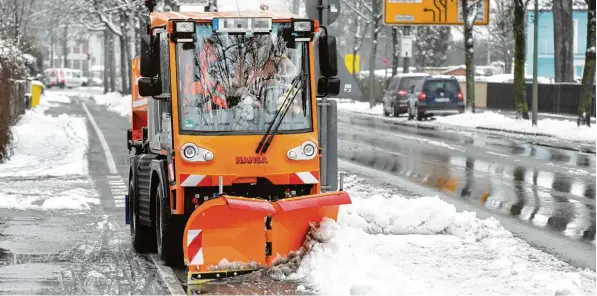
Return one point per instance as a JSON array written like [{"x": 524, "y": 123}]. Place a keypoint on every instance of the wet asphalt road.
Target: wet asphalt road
[
  {"x": 74, "y": 252},
  {"x": 549, "y": 188},
  {"x": 65, "y": 252}
]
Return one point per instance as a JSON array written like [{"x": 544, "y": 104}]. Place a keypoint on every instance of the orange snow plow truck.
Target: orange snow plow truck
[{"x": 234, "y": 146}]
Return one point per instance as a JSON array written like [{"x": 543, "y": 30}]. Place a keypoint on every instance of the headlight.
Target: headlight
[
  {"x": 193, "y": 153},
  {"x": 185, "y": 27},
  {"x": 302, "y": 26},
  {"x": 189, "y": 152},
  {"x": 309, "y": 150}
]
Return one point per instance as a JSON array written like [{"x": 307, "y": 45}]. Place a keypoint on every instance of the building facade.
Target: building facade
[{"x": 546, "y": 56}]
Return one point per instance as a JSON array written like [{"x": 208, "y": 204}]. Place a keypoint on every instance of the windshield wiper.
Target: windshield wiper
[{"x": 290, "y": 95}]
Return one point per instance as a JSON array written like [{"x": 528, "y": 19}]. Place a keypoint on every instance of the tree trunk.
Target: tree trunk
[
  {"x": 296, "y": 4},
  {"x": 372, "y": 99},
  {"x": 123, "y": 55},
  {"x": 106, "y": 62},
  {"x": 395, "y": 51},
  {"x": 563, "y": 48},
  {"x": 469, "y": 54},
  {"x": 588, "y": 76},
  {"x": 112, "y": 61},
  {"x": 375, "y": 32},
  {"x": 65, "y": 47},
  {"x": 520, "y": 99}
]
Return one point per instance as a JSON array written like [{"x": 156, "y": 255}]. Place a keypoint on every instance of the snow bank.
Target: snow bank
[
  {"x": 49, "y": 168},
  {"x": 115, "y": 102},
  {"x": 48, "y": 146},
  {"x": 564, "y": 129},
  {"x": 360, "y": 107},
  {"x": 384, "y": 244}
]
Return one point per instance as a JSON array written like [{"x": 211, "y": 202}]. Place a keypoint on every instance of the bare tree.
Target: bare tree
[
  {"x": 588, "y": 76},
  {"x": 500, "y": 31},
  {"x": 518, "y": 27},
  {"x": 395, "y": 52},
  {"x": 470, "y": 8},
  {"x": 563, "y": 49}
]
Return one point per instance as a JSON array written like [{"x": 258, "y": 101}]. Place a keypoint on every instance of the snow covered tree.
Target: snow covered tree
[
  {"x": 588, "y": 76},
  {"x": 518, "y": 27},
  {"x": 431, "y": 44}
]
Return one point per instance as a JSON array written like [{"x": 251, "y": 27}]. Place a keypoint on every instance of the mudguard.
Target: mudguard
[{"x": 230, "y": 236}]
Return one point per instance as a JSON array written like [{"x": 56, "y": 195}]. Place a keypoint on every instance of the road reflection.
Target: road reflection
[{"x": 550, "y": 188}]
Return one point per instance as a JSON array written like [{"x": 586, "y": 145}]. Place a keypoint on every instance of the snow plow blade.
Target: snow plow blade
[{"x": 230, "y": 236}]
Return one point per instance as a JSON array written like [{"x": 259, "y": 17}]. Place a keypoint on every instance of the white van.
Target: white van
[{"x": 64, "y": 77}]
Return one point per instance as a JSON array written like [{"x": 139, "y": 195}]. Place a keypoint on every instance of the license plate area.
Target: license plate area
[{"x": 442, "y": 100}]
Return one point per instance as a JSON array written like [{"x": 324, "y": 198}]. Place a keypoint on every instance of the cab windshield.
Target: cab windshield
[{"x": 231, "y": 83}]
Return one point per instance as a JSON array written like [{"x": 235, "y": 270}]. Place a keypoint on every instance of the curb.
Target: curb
[{"x": 575, "y": 146}]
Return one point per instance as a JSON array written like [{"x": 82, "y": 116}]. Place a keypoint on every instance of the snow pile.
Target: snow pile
[
  {"x": 115, "y": 103},
  {"x": 48, "y": 146},
  {"x": 389, "y": 245},
  {"x": 564, "y": 129},
  {"x": 360, "y": 107},
  {"x": 49, "y": 167}
]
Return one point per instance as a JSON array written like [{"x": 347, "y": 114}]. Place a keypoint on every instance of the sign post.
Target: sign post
[{"x": 406, "y": 49}]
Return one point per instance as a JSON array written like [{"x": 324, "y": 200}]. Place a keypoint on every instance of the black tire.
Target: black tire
[
  {"x": 168, "y": 231},
  {"x": 396, "y": 110},
  {"x": 142, "y": 237},
  {"x": 420, "y": 115}
]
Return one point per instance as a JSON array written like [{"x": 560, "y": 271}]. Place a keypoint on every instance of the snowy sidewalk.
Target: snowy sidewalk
[
  {"x": 385, "y": 244},
  {"x": 49, "y": 168},
  {"x": 550, "y": 127}
]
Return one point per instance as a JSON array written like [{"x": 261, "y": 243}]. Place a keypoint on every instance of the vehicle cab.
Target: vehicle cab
[{"x": 220, "y": 83}]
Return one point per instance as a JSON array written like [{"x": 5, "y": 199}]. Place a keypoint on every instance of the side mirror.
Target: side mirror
[
  {"x": 149, "y": 87},
  {"x": 328, "y": 57},
  {"x": 328, "y": 86},
  {"x": 148, "y": 64}
]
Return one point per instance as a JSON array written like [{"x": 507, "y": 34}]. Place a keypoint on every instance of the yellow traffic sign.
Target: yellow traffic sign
[
  {"x": 430, "y": 12},
  {"x": 348, "y": 59}
]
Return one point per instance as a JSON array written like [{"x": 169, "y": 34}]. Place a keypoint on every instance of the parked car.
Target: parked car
[
  {"x": 435, "y": 95},
  {"x": 63, "y": 77},
  {"x": 396, "y": 96}
]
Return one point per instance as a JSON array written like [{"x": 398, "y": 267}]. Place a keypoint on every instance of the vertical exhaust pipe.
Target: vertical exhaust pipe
[{"x": 221, "y": 185}]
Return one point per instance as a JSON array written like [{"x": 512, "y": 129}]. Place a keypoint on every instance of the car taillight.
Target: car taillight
[
  {"x": 402, "y": 92},
  {"x": 460, "y": 96},
  {"x": 422, "y": 96}
]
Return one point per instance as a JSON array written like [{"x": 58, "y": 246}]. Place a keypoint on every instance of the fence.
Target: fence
[
  {"x": 561, "y": 98},
  {"x": 13, "y": 103}
]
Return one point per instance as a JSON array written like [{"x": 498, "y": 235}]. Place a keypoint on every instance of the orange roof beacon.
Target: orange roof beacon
[{"x": 232, "y": 157}]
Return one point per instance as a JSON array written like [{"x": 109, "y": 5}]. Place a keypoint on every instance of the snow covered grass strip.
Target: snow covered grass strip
[{"x": 386, "y": 244}]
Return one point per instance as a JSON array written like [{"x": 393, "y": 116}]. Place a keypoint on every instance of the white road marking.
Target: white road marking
[
  {"x": 102, "y": 139},
  {"x": 168, "y": 276},
  {"x": 499, "y": 154},
  {"x": 119, "y": 190},
  {"x": 165, "y": 272}
]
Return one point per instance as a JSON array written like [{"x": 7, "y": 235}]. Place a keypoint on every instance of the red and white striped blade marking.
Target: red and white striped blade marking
[
  {"x": 195, "y": 246},
  {"x": 304, "y": 178}
]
